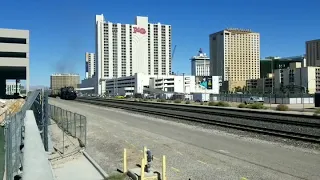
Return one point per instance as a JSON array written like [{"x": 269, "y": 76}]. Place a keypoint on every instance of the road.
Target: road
[{"x": 192, "y": 152}]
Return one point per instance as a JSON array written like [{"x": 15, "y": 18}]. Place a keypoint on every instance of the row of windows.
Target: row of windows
[
  {"x": 13, "y": 54},
  {"x": 13, "y": 40}
]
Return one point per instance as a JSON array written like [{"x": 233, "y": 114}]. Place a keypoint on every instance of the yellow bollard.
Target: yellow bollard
[
  {"x": 142, "y": 169},
  {"x": 164, "y": 166},
  {"x": 145, "y": 154},
  {"x": 124, "y": 160},
  {"x": 243, "y": 178}
]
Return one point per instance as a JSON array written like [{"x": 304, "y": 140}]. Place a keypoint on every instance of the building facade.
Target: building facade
[
  {"x": 298, "y": 79},
  {"x": 200, "y": 64},
  {"x": 125, "y": 49},
  {"x": 12, "y": 88},
  {"x": 235, "y": 55},
  {"x": 14, "y": 57},
  {"x": 58, "y": 81},
  {"x": 313, "y": 52},
  {"x": 141, "y": 83},
  {"x": 269, "y": 64},
  {"x": 90, "y": 65}
]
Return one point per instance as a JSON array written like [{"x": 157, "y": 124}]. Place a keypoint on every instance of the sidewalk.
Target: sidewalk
[
  {"x": 68, "y": 160},
  {"x": 75, "y": 167}
]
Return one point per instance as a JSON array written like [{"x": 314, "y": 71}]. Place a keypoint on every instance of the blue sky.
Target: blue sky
[{"x": 61, "y": 31}]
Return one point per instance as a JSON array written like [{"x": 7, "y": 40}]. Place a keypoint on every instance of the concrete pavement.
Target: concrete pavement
[
  {"x": 75, "y": 167},
  {"x": 192, "y": 152},
  {"x": 74, "y": 163}
]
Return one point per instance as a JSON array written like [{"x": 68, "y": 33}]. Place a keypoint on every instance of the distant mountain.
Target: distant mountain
[{"x": 37, "y": 87}]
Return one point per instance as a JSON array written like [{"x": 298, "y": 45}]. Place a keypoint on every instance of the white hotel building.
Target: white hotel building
[
  {"x": 125, "y": 49},
  {"x": 200, "y": 64}
]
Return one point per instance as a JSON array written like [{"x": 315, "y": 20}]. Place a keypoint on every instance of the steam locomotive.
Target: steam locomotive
[{"x": 68, "y": 93}]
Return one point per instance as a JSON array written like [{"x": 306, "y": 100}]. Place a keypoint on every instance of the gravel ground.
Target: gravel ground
[{"x": 192, "y": 151}]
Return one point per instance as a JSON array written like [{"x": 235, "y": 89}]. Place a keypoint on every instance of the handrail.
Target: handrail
[{"x": 35, "y": 160}]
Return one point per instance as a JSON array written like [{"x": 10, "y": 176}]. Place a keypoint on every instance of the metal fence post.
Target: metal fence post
[
  {"x": 46, "y": 120},
  {"x": 85, "y": 132}
]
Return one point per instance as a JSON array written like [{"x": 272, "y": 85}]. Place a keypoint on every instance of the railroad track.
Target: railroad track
[{"x": 194, "y": 115}]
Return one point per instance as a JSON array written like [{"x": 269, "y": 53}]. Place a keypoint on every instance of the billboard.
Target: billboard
[{"x": 204, "y": 81}]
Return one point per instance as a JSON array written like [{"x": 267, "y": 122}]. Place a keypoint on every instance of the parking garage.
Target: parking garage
[{"x": 14, "y": 57}]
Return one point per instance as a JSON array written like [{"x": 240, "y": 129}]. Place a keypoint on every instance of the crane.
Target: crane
[
  {"x": 174, "y": 50},
  {"x": 172, "y": 55}
]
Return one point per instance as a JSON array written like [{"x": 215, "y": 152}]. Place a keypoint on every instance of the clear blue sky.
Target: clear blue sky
[{"x": 61, "y": 31}]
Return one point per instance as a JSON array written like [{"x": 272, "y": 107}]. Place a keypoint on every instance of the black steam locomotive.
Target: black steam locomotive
[{"x": 68, "y": 93}]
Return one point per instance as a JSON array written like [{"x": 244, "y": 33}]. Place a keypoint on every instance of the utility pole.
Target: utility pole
[
  {"x": 132, "y": 78},
  {"x": 263, "y": 85},
  {"x": 272, "y": 86},
  {"x": 114, "y": 87},
  {"x": 183, "y": 83}
]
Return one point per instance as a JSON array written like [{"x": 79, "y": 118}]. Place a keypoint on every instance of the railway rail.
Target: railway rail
[{"x": 304, "y": 128}]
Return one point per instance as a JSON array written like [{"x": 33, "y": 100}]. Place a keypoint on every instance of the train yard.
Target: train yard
[
  {"x": 298, "y": 127},
  {"x": 193, "y": 151}
]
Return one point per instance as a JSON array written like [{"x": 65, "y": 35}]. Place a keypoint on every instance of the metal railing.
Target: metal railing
[
  {"x": 72, "y": 124},
  {"x": 14, "y": 129}
]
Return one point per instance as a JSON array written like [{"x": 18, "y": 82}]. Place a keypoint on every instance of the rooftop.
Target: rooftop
[{"x": 64, "y": 74}]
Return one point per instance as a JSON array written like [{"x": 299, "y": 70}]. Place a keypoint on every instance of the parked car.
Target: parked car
[{"x": 254, "y": 99}]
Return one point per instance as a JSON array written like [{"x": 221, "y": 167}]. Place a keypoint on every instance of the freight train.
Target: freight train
[{"x": 67, "y": 93}]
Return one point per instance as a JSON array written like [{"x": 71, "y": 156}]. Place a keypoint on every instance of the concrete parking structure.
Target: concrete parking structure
[{"x": 14, "y": 57}]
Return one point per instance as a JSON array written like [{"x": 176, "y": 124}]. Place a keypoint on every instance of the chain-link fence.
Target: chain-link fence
[
  {"x": 72, "y": 124},
  {"x": 14, "y": 131},
  {"x": 279, "y": 98}
]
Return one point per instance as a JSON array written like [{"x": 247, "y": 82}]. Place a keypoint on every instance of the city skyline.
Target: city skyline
[{"x": 71, "y": 30}]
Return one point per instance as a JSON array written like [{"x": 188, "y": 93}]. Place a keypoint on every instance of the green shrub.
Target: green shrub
[
  {"x": 177, "y": 101},
  {"x": 223, "y": 104},
  {"x": 188, "y": 102},
  {"x": 256, "y": 106},
  {"x": 212, "y": 103},
  {"x": 317, "y": 112},
  {"x": 242, "y": 105},
  {"x": 201, "y": 103},
  {"x": 161, "y": 100},
  {"x": 282, "y": 107}
]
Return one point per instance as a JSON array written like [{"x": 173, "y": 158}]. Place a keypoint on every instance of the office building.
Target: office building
[
  {"x": 90, "y": 65},
  {"x": 200, "y": 64},
  {"x": 235, "y": 55},
  {"x": 297, "y": 79},
  {"x": 269, "y": 64},
  {"x": 313, "y": 52},
  {"x": 125, "y": 49},
  {"x": 14, "y": 57},
  {"x": 58, "y": 81},
  {"x": 12, "y": 88}
]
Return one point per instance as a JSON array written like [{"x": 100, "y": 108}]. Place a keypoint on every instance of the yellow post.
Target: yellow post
[
  {"x": 142, "y": 169},
  {"x": 164, "y": 166},
  {"x": 124, "y": 160},
  {"x": 145, "y": 154}
]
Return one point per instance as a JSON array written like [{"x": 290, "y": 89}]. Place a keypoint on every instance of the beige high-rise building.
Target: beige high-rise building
[
  {"x": 58, "y": 81},
  {"x": 313, "y": 52},
  {"x": 235, "y": 55}
]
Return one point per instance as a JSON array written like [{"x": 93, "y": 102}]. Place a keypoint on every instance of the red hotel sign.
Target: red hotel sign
[{"x": 139, "y": 30}]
